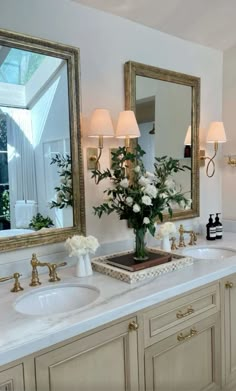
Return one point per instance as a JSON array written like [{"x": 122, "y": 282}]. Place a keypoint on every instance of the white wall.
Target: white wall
[
  {"x": 229, "y": 99},
  {"x": 106, "y": 42}
]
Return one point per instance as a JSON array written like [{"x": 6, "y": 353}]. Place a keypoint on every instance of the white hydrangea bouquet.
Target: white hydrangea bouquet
[
  {"x": 166, "y": 230},
  {"x": 142, "y": 197},
  {"x": 81, "y": 246}
]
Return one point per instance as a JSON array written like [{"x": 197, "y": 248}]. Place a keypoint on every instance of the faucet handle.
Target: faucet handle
[
  {"x": 173, "y": 243},
  {"x": 181, "y": 236},
  {"x": 193, "y": 238},
  {"x": 52, "y": 271},
  {"x": 17, "y": 287}
]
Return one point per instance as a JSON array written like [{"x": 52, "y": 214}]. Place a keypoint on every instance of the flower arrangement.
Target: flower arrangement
[
  {"x": 64, "y": 192},
  {"x": 167, "y": 229},
  {"x": 142, "y": 197},
  {"x": 81, "y": 245}
]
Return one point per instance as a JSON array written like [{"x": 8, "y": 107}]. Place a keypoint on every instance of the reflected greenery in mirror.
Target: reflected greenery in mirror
[
  {"x": 167, "y": 104},
  {"x": 41, "y": 170}
]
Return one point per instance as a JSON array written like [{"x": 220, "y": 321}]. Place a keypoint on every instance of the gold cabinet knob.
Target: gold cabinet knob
[
  {"x": 133, "y": 326},
  {"x": 229, "y": 285}
]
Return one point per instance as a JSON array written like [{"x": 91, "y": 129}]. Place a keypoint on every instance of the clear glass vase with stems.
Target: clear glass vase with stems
[{"x": 141, "y": 252}]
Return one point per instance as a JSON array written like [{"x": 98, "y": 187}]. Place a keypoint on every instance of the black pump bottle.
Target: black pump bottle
[
  {"x": 218, "y": 226},
  {"x": 211, "y": 229}
]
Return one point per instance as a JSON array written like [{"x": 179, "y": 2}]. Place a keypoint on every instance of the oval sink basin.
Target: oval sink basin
[
  {"x": 209, "y": 252},
  {"x": 56, "y": 299}
]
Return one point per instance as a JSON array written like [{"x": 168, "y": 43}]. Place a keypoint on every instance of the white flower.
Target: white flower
[
  {"x": 137, "y": 169},
  {"x": 150, "y": 175},
  {"x": 81, "y": 245},
  {"x": 167, "y": 229},
  {"x": 170, "y": 183},
  {"x": 144, "y": 181},
  {"x": 151, "y": 191},
  {"x": 129, "y": 201},
  {"x": 136, "y": 208},
  {"x": 146, "y": 200},
  {"x": 146, "y": 220},
  {"x": 124, "y": 183}
]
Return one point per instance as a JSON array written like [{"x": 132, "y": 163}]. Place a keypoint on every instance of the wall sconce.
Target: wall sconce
[
  {"x": 127, "y": 127},
  {"x": 216, "y": 135},
  {"x": 100, "y": 127},
  {"x": 187, "y": 143}
]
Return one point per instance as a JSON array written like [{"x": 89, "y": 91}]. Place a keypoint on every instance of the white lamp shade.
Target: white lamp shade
[
  {"x": 101, "y": 124},
  {"x": 216, "y": 133},
  {"x": 127, "y": 125},
  {"x": 187, "y": 140}
]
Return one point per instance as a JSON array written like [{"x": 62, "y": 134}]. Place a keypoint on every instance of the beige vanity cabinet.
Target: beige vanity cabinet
[
  {"x": 182, "y": 343},
  {"x": 104, "y": 360},
  {"x": 229, "y": 330},
  {"x": 12, "y": 379}
]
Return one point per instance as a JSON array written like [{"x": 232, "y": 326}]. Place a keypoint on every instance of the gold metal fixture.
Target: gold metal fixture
[
  {"x": 52, "y": 271},
  {"x": 231, "y": 161},
  {"x": 181, "y": 337},
  {"x": 53, "y": 277},
  {"x": 17, "y": 287},
  {"x": 173, "y": 243},
  {"x": 193, "y": 236},
  {"x": 133, "y": 326},
  {"x": 92, "y": 155},
  {"x": 229, "y": 285},
  {"x": 180, "y": 314}
]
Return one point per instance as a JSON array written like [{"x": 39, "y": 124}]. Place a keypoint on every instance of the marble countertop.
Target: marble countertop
[{"x": 21, "y": 335}]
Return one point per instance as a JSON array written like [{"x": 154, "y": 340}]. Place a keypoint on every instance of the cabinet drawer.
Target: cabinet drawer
[{"x": 159, "y": 320}]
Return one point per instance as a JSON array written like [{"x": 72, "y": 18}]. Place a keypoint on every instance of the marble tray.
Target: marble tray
[{"x": 100, "y": 265}]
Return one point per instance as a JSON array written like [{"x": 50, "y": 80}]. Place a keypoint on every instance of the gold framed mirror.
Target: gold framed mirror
[
  {"x": 41, "y": 168},
  {"x": 167, "y": 108}
]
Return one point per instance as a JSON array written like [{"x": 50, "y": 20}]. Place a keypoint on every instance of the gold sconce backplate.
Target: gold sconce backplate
[
  {"x": 202, "y": 154},
  {"x": 92, "y": 154}
]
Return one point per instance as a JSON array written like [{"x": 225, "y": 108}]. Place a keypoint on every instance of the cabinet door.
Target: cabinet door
[
  {"x": 189, "y": 360},
  {"x": 229, "y": 337},
  {"x": 12, "y": 379},
  {"x": 105, "y": 360}
]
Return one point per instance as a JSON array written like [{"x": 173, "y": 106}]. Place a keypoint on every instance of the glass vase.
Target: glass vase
[{"x": 140, "y": 253}]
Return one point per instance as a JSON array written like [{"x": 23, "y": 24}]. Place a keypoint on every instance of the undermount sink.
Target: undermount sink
[
  {"x": 56, "y": 299},
  {"x": 209, "y": 252}
]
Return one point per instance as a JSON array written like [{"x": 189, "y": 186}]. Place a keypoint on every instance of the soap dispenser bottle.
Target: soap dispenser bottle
[
  {"x": 211, "y": 229},
  {"x": 219, "y": 227}
]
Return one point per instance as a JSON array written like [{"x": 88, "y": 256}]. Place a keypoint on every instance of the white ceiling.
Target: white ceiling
[{"x": 207, "y": 22}]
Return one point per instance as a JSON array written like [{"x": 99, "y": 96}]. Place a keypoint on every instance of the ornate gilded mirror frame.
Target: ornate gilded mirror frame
[
  {"x": 133, "y": 69},
  {"x": 72, "y": 57}
]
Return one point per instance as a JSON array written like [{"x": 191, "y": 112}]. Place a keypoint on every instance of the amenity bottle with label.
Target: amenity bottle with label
[
  {"x": 218, "y": 226},
  {"x": 211, "y": 229}
]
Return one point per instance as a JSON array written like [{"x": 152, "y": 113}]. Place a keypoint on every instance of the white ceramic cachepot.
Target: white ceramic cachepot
[
  {"x": 165, "y": 244},
  {"x": 88, "y": 267},
  {"x": 80, "y": 270}
]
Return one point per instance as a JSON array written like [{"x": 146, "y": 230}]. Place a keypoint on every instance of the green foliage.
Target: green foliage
[
  {"x": 143, "y": 197},
  {"x": 38, "y": 222},
  {"x": 64, "y": 192},
  {"x": 6, "y": 205}
]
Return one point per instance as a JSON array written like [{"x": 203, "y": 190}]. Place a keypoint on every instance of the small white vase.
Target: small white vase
[
  {"x": 80, "y": 266},
  {"x": 88, "y": 267},
  {"x": 165, "y": 244}
]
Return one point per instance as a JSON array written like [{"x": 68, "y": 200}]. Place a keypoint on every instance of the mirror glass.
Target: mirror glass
[
  {"x": 166, "y": 104},
  {"x": 40, "y": 151}
]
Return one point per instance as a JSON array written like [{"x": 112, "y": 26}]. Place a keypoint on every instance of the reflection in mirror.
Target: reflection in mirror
[
  {"x": 167, "y": 108},
  {"x": 40, "y": 157}
]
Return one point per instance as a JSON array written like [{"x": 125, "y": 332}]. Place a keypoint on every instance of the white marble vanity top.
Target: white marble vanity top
[{"x": 21, "y": 335}]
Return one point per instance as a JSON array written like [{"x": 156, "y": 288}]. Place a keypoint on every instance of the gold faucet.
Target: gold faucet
[
  {"x": 53, "y": 277},
  {"x": 193, "y": 236},
  {"x": 17, "y": 287}
]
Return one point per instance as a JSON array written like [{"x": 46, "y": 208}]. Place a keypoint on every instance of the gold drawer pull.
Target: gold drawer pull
[
  {"x": 133, "y": 326},
  {"x": 181, "y": 314},
  {"x": 229, "y": 285},
  {"x": 182, "y": 337}
]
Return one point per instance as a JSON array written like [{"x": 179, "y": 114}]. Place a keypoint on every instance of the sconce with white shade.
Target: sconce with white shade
[
  {"x": 216, "y": 134},
  {"x": 188, "y": 143},
  {"x": 127, "y": 127},
  {"x": 100, "y": 127}
]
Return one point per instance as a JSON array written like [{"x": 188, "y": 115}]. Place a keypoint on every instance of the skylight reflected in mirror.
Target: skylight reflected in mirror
[{"x": 18, "y": 66}]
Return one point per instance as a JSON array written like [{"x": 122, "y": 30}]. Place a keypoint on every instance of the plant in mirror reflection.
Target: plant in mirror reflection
[
  {"x": 64, "y": 192},
  {"x": 142, "y": 197}
]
